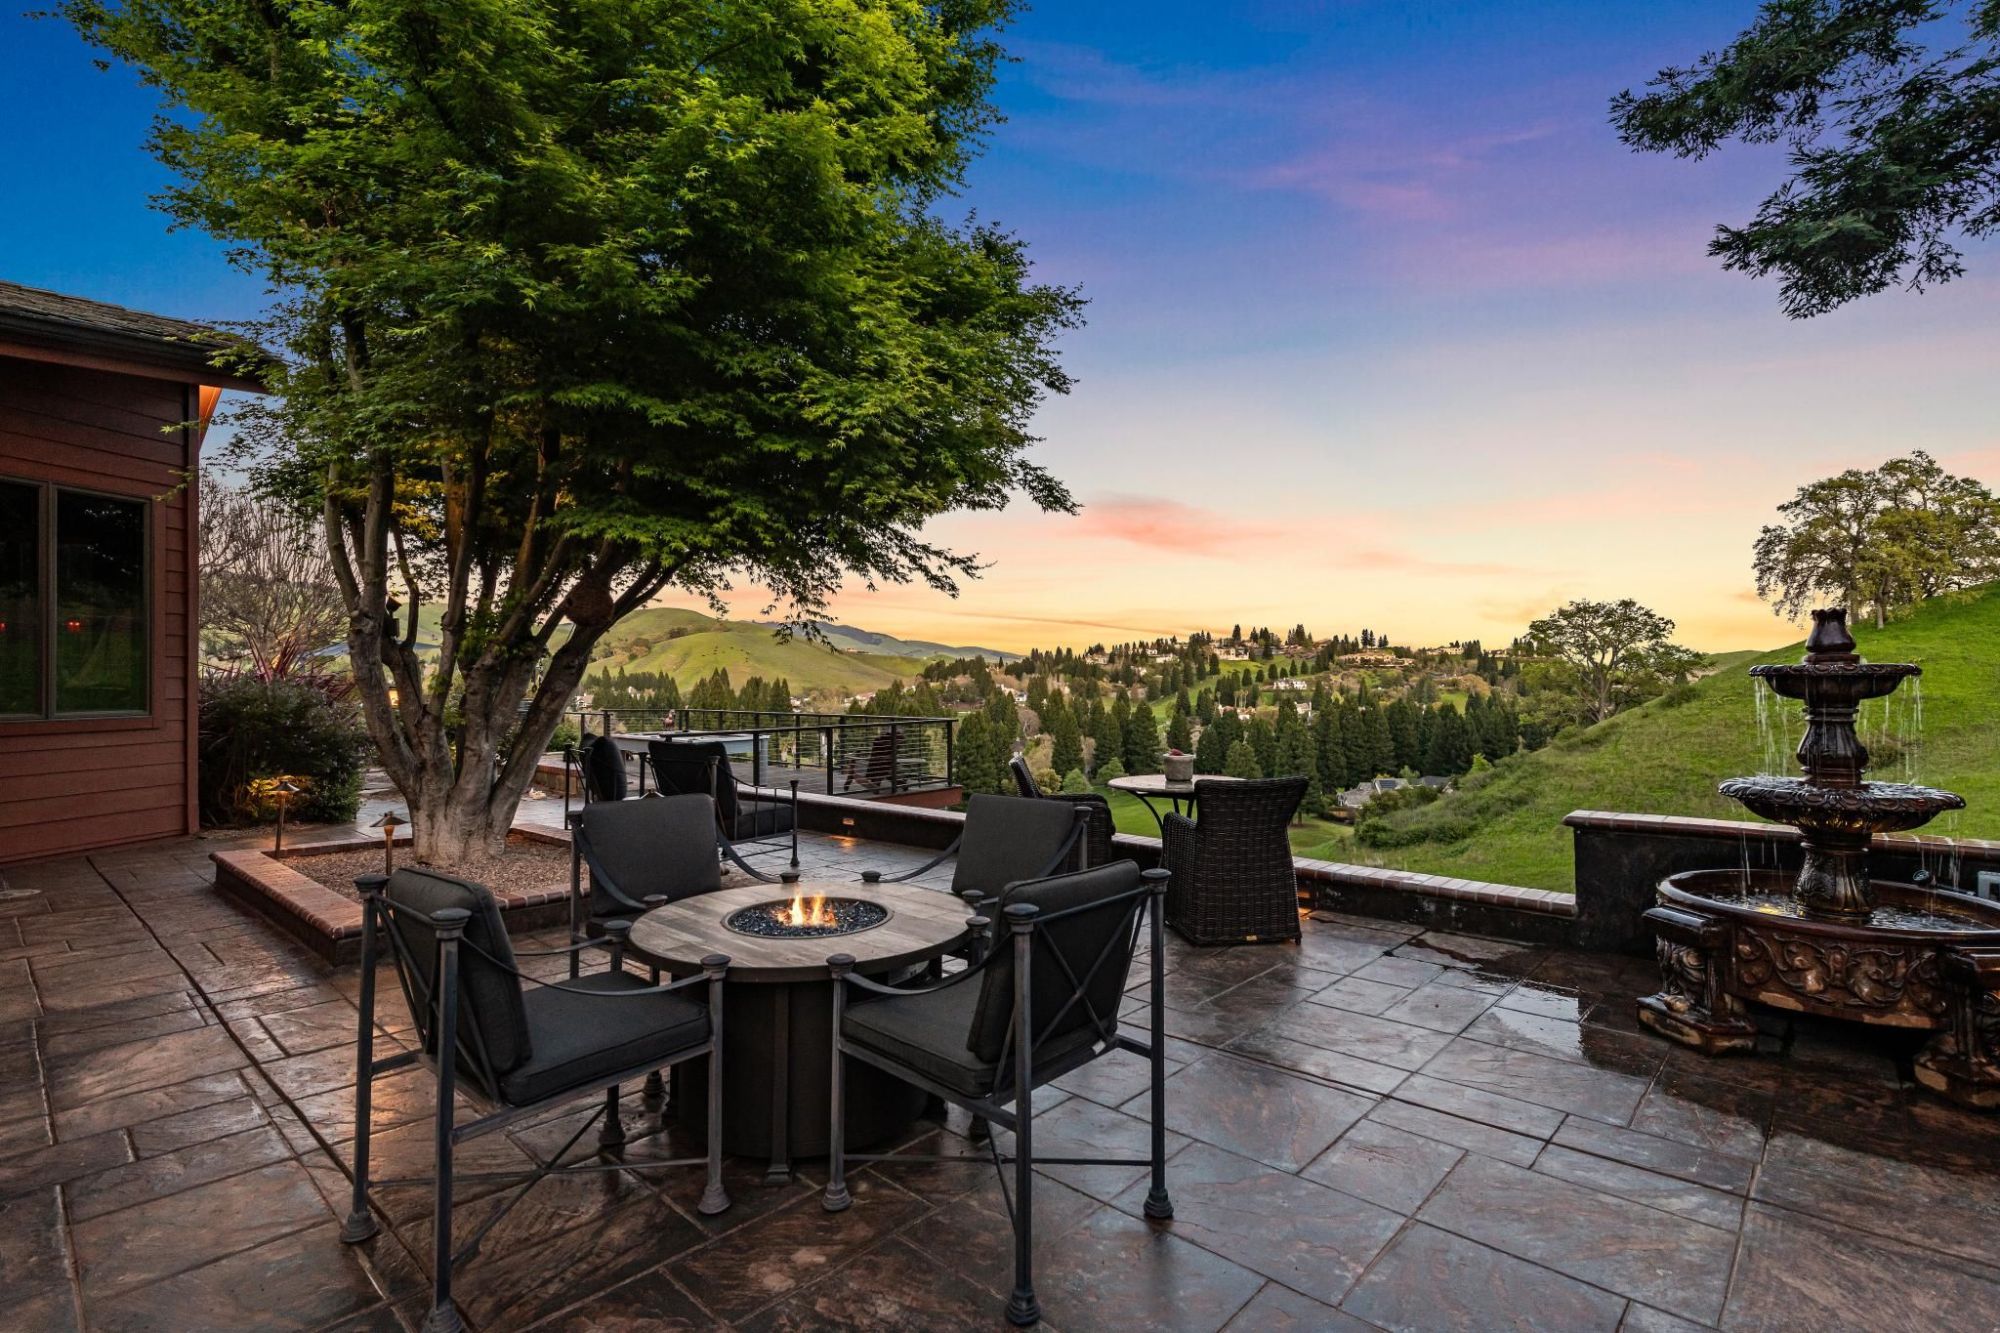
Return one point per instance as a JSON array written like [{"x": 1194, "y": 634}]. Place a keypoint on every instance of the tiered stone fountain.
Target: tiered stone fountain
[{"x": 1831, "y": 941}]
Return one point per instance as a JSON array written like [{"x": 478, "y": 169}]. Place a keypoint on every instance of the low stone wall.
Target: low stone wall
[
  {"x": 1531, "y": 915},
  {"x": 1621, "y": 859},
  {"x": 330, "y": 924}
]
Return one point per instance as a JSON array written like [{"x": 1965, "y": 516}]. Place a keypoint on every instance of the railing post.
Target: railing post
[
  {"x": 826, "y": 745},
  {"x": 950, "y": 759},
  {"x": 756, "y": 757},
  {"x": 895, "y": 759}
]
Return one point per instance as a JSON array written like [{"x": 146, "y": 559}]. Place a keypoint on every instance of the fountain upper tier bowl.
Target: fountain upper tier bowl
[{"x": 1870, "y": 807}]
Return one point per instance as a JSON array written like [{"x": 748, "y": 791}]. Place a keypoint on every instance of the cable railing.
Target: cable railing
[{"x": 841, "y": 754}]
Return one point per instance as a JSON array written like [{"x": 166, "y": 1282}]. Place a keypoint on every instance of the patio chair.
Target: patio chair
[
  {"x": 599, "y": 762},
  {"x": 1005, "y": 838},
  {"x": 742, "y": 814},
  {"x": 642, "y": 855},
  {"x": 520, "y": 1045},
  {"x": 1234, "y": 881},
  {"x": 1096, "y": 836},
  {"x": 1038, "y": 1005}
]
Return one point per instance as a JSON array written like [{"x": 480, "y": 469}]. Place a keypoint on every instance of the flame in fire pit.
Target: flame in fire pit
[{"x": 805, "y": 913}]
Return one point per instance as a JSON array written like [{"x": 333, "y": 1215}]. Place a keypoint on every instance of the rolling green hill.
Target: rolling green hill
[
  {"x": 1666, "y": 757},
  {"x": 689, "y": 645}
]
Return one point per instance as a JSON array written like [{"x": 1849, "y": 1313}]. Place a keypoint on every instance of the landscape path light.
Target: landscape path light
[{"x": 389, "y": 823}]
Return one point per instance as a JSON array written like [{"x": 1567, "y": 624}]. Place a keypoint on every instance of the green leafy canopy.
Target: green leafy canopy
[
  {"x": 1891, "y": 112},
  {"x": 577, "y": 301}
]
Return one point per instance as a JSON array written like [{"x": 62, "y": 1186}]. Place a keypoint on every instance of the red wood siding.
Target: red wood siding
[{"x": 75, "y": 785}]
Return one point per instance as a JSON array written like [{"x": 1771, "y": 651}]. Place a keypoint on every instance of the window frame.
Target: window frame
[{"x": 46, "y": 548}]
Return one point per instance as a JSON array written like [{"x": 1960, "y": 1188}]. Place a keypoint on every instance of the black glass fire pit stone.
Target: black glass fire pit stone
[
  {"x": 1830, "y": 940},
  {"x": 849, "y": 916}
]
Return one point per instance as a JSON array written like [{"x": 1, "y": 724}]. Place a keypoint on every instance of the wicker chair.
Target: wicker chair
[
  {"x": 1234, "y": 882},
  {"x": 1097, "y": 833}
]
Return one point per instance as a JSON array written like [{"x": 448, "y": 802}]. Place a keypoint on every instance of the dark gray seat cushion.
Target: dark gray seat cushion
[
  {"x": 489, "y": 995},
  {"x": 580, "y": 1038},
  {"x": 760, "y": 819},
  {"x": 927, "y": 1033}
]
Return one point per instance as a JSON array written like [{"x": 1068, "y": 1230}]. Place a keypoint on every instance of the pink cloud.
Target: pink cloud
[{"x": 1166, "y": 525}]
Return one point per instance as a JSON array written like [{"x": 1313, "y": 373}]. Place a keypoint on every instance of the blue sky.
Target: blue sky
[{"x": 1386, "y": 328}]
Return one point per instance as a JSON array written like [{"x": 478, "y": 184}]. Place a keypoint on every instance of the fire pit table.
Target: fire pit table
[{"x": 778, "y": 1003}]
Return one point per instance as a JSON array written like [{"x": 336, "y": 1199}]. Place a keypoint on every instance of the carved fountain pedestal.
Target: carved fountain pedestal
[{"x": 1830, "y": 941}]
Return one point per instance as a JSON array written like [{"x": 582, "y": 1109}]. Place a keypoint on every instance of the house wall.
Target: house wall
[{"x": 78, "y": 784}]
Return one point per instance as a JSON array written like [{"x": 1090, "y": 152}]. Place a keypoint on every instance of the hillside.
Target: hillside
[
  {"x": 1666, "y": 758},
  {"x": 689, "y": 645},
  {"x": 855, "y": 639}
]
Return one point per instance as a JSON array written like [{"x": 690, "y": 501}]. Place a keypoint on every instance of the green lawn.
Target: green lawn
[{"x": 1667, "y": 758}]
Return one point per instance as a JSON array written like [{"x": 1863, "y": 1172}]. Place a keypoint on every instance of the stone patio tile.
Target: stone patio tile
[
  {"x": 140, "y": 1108},
  {"x": 1716, "y": 1170},
  {"x": 1116, "y": 1273},
  {"x": 61, "y": 1045},
  {"x": 1565, "y": 1039},
  {"x": 1707, "y": 1113},
  {"x": 1433, "y": 1282},
  {"x": 314, "y": 1027},
  {"x": 1457, "y": 1132},
  {"x": 184, "y": 1168},
  {"x": 201, "y": 1125},
  {"x": 1266, "y": 1114},
  {"x": 1441, "y": 1007},
  {"x": 1799, "y": 1272},
  {"x": 773, "y": 1256},
  {"x": 893, "y": 1288},
  {"x": 1666, "y": 1193},
  {"x": 35, "y": 1170},
  {"x": 33, "y": 1262},
  {"x": 117, "y": 1071},
  {"x": 1665, "y": 1261},
  {"x": 1117, "y": 1077},
  {"x": 1380, "y": 1040},
  {"x": 115, "y": 1013},
  {"x": 1336, "y": 1066},
  {"x": 321, "y": 1285},
  {"x": 179, "y": 1233},
  {"x": 652, "y": 1302},
  {"x": 1489, "y": 1108},
  {"x": 1524, "y": 1075},
  {"x": 1081, "y": 1128},
  {"x": 1277, "y": 1309},
  {"x": 1956, "y": 1212},
  {"x": 1312, "y": 1239},
  {"x": 1360, "y": 996},
  {"x": 1384, "y": 1165}
]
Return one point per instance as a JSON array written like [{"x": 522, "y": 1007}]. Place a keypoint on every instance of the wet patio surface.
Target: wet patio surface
[{"x": 1379, "y": 1127}]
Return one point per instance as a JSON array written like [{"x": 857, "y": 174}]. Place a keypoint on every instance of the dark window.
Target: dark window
[
  {"x": 75, "y": 631},
  {"x": 22, "y": 631},
  {"x": 101, "y": 628}
]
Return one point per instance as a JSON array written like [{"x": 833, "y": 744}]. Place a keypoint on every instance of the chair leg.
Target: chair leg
[
  {"x": 1022, "y": 1308},
  {"x": 714, "y": 1199},
  {"x": 837, "y": 1199},
  {"x": 1159, "y": 1206},
  {"x": 443, "y": 1316},
  {"x": 611, "y": 1134},
  {"x": 655, "y": 1091},
  {"x": 360, "y": 1224}
]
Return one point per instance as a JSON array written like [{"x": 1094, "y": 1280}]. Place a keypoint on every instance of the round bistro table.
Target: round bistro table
[
  {"x": 777, "y": 1024},
  {"x": 1150, "y": 787}
]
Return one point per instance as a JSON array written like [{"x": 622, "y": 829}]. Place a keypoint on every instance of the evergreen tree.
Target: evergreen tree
[
  {"x": 973, "y": 754},
  {"x": 1204, "y": 707},
  {"x": 1065, "y": 738},
  {"x": 1263, "y": 739},
  {"x": 1450, "y": 750},
  {"x": 1242, "y": 762},
  {"x": 1109, "y": 735},
  {"x": 1295, "y": 752},
  {"x": 1404, "y": 736},
  {"x": 1210, "y": 752},
  {"x": 1180, "y": 733},
  {"x": 1142, "y": 741},
  {"x": 1381, "y": 745},
  {"x": 1074, "y": 783}
]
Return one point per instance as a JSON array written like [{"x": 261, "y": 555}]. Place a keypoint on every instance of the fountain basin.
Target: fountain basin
[{"x": 1928, "y": 960}]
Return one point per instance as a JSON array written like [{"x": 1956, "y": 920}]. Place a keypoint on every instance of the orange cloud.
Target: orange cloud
[{"x": 1166, "y": 525}]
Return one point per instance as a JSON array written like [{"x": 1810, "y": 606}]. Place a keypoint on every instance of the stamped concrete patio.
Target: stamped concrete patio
[{"x": 1377, "y": 1128}]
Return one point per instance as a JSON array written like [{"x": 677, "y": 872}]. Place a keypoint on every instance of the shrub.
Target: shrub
[
  {"x": 1047, "y": 779},
  {"x": 566, "y": 734},
  {"x": 254, "y": 730},
  {"x": 1075, "y": 783},
  {"x": 1109, "y": 769}
]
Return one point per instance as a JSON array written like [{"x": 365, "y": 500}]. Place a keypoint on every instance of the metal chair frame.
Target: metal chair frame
[
  {"x": 770, "y": 843},
  {"x": 442, "y": 1008},
  {"x": 1010, "y": 1102}
]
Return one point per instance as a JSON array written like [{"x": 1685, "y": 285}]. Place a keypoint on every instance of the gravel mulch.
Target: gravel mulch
[{"x": 526, "y": 867}]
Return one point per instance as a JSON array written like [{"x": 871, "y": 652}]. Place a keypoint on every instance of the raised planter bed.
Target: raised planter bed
[{"x": 330, "y": 924}]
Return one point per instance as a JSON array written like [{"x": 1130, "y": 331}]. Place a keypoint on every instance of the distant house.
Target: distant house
[
  {"x": 1293, "y": 684},
  {"x": 102, "y": 411}
]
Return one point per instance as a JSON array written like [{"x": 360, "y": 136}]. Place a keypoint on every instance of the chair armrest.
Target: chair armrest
[
  {"x": 1177, "y": 837},
  {"x": 729, "y": 850},
  {"x": 877, "y": 877},
  {"x": 845, "y": 975}
]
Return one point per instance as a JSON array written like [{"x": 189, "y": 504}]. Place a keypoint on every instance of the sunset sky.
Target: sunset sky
[{"x": 1386, "y": 328}]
